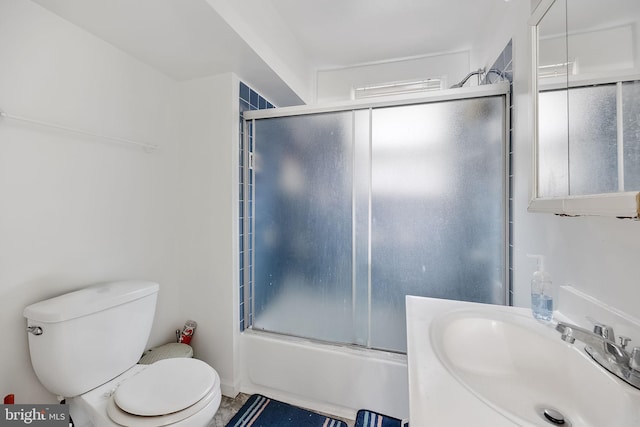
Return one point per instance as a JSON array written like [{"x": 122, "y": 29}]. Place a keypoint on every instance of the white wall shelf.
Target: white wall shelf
[{"x": 619, "y": 205}]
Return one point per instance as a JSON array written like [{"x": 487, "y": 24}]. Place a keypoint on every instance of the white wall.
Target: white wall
[
  {"x": 208, "y": 210},
  {"x": 337, "y": 84},
  {"x": 259, "y": 24},
  {"x": 79, "y": 210},
  {"x": 76, "y": 210}
]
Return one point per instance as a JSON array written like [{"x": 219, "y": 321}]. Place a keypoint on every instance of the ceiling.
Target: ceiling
[
  {"x": 188, "y": 39},
  {"x": 342, "y": 33}
]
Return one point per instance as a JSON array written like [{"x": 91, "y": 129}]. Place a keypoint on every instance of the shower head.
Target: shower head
[{"x": 478, "y": 72}]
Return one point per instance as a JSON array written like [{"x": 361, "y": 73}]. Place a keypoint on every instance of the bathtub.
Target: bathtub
[{"x": 335, "y": 379}]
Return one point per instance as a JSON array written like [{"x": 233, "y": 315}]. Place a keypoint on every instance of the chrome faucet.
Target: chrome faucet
[{"x": 602, "y": 347}]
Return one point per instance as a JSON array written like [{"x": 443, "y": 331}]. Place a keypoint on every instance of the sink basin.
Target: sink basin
[{"x": 520, "y": 367}]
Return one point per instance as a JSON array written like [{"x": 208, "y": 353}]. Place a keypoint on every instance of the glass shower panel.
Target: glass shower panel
[
  {"x": 593, "y": 149},
  {"x": 631, "y": 134},
  {"x": 303, "y": 226},
  {"x": 437, "y": 208}
]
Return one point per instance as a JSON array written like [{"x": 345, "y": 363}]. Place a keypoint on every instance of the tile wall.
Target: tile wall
[
  {"x": 504, "y": 65},
  {"x": 249, "y": 100}
]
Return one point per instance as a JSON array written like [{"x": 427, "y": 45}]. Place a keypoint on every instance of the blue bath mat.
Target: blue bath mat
[
  {"x": 260, "y": 411},
  {"x": 366, "y": 418}
]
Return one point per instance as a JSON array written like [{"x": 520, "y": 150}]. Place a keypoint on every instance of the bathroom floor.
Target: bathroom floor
[{"x": 229, "y": 407}]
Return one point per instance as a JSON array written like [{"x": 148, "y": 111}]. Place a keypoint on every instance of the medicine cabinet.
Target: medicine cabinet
[{"x": 586, "y": 86}]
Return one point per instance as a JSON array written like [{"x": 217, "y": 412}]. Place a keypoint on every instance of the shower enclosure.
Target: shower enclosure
[{"x": 357, "y": 206}]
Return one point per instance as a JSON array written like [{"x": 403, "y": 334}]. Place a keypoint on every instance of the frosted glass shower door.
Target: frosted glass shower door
[
  {"x": 353, "y": 210},
  {"x": 303, "y": 226},
  {"x": 437, "y": 208}
]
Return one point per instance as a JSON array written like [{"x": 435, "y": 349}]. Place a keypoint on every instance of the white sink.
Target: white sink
[{"x": 519, "y": 367}]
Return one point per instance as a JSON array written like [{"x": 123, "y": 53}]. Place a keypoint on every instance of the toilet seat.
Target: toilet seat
[
  {"x": 123, "y": 418},
  {"x": 167, "y": 386},
  {"x": 166, "y": 392}
]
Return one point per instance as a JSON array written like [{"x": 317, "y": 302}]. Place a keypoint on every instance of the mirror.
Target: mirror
[{"x": 587, "y": 107}]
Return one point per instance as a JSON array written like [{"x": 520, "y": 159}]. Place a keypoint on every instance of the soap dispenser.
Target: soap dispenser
[{"x": 541, "y": 292}]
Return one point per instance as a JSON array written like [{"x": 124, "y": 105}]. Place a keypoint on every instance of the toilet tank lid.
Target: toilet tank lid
[{"x": 89, "y": 300}]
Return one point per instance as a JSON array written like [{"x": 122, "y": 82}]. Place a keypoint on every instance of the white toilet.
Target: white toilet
[{"x": 85, "y": 346}]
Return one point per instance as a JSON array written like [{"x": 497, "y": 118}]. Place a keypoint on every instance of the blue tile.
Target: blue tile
[
  {"x": 244, "y": 92},
  {"x": 509, "y": 76},
  {"x": 244, "y": 106},
  {"x": 508, "y": 52},
  {"x": 249, "y": 100},
  {"x": 255, "y": 100}
]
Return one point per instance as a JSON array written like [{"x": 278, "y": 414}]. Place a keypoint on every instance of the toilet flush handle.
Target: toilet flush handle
[{"x": 35, "y": 330}]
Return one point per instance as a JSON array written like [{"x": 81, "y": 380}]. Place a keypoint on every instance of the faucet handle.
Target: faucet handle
[
  {"x": 566, "y": 331},
  {"x": 602, "y": 330},
  {"x": 624, "y": 341},
  {"x": 634, "y": 360}
]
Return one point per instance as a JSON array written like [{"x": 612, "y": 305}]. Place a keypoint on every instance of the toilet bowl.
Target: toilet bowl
[{"x": 85, "y": 345}]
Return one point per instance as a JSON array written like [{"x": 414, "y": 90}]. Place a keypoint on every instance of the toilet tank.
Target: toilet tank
[{"x": 90, "y": 336}]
